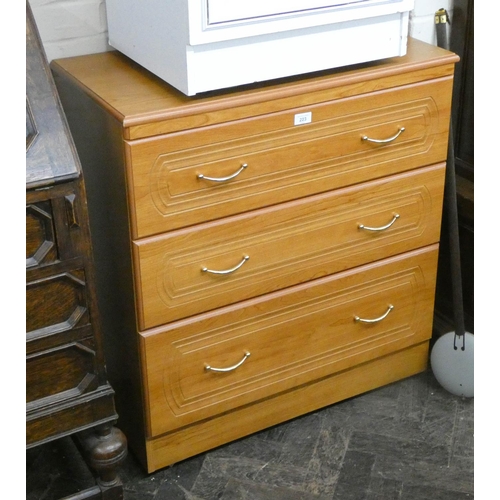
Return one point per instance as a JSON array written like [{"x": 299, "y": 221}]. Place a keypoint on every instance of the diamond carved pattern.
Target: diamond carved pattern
[
  {"x": 55, "y": 304},
  {"x": 71, "y": 368},
  {"x": 40, "y": 235}
]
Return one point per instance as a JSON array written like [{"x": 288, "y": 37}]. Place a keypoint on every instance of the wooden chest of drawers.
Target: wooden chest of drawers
[{"x": 262, "y": 252}]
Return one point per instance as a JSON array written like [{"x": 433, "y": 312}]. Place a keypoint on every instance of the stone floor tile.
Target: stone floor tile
[
  {"x": 410, "y": 440},
  {"x": 355, "y": 476}
]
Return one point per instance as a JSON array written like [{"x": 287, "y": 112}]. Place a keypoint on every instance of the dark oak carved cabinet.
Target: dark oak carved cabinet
[
  {"x": 66, "y": 386},
  {"x": 67, "y": 392}
]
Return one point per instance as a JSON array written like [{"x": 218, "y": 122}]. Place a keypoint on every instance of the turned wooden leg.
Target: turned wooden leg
[{"x": 105, "y": 448}]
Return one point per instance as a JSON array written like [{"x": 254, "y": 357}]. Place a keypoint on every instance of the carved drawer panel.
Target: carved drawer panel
[
  {"x": 189, "y": 177},
  {"x": 55, "y": 304},
  {"x": 286, "y": 339},
  {"x": 41, "y": 244},
  {"x": 178, "y": 274},
  {"x": 69, "y": 416},
  {"x": 70, "y": 370},
  {"x": 66, "y": 384},
  {"x": 52, "y": 226}
]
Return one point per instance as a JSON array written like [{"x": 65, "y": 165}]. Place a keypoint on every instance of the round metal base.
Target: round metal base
[{"x": 454, "y": 368}]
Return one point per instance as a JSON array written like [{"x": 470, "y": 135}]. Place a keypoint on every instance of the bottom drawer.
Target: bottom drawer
[
  {"x": 189, "y": 441},
  {"x": 213, "y": 363}
]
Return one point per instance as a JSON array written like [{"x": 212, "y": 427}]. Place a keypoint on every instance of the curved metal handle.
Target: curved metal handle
[
  {"x": 209, "y": 368},
  {"x": 227, "y": 271},
  {"x": 381, "y": 228},
  {"x": 384, "y": 141},
  {"x": 223, "y": 179},
  {"x": 376, "y": 320}
]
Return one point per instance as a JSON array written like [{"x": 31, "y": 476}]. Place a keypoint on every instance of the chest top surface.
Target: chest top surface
[{"x": 147, "y": 106}]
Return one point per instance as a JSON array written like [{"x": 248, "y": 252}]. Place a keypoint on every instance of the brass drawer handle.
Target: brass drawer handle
[
  {"x": 223, "y": 179},
  {"x": 381, "y": 228},
  {"x": 209, "y": 368},
  {"x": 384, "y": 141},
  {"x": 376, "y": 320},
  {"x": 227, "y": 271}
]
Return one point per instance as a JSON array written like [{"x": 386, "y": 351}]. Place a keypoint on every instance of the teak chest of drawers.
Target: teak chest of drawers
[{"x": 261, "y": 252}]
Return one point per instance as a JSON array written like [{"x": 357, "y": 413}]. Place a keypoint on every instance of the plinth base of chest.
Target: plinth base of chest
[{"x": 192, "y": 440}]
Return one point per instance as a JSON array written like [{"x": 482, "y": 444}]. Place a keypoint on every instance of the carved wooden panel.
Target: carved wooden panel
[
  {"x": 71, "y": 371},
  {"x": 56, "y": 303},
  {"x": 62, "y": 361},
  {"x": 41, "y": 245},
  {"x": 67, "y": 391}
]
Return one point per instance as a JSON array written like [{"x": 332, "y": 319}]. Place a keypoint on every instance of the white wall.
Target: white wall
[
  {"x": 76, "y": 27},
  {"x": 422, "y": 18},
  {"x": 71, "y": 27}
]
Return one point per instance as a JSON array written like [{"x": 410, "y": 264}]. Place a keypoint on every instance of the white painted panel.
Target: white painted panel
[
  {"x": 228, "y": 64},
  {"x": 201, "y": 32},
  {"x": 171, "y": 39},
  {"x": 223, "y": 11}
]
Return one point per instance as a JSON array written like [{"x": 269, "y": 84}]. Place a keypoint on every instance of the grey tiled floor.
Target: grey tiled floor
[{"x": 411, "y": 440}]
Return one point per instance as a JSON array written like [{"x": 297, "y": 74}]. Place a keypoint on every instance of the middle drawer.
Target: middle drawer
[
  {"x": 204, "y": 267},
  {"x": 284, "y": 160}
]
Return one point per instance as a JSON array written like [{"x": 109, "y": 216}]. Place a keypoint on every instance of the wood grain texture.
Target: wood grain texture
[
  {"x": 142, "y": 145},
  {"x": 147, "y": 106},
  {"x": 49, "y": 155},
  {"x": 294, "y": 336},
  {"x": 191, "y": 440},
  {"x": 284, "y": 161},
  {"x": 287, "y": 244},
  {"x": 67, "y": 389},
  {"x": 65, "y": 359}
]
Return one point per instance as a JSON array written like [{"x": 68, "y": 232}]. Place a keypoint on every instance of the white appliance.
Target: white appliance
[{"x": 203, "y": 45}]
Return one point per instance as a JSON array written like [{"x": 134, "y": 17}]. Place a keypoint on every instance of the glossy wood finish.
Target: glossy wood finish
[
  {"x": 284, "y": 161},
  {"x": 295, "y": 210},
  {"x": 67, "y": 389},
  {"x": 326, "y": 339},
  {"x": 174, "y": 446}
]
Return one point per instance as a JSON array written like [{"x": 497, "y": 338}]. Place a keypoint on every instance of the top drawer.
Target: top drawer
[{"x": 287, "y": 155}]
